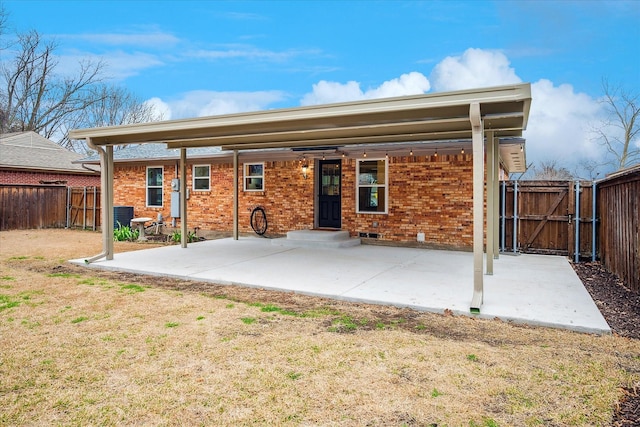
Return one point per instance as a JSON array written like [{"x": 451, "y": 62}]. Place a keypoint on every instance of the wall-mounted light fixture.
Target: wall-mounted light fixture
[{"x": 305, "y": 169}]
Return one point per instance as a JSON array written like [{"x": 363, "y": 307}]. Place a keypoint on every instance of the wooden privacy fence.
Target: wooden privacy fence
[
  {"x": 83, "y": 207},
  {"x": 548, "y": 217},
  {"x": 619, "y": 231},
  {"x": 27, "y": 206},
  {"x": 32, "y": 206}
]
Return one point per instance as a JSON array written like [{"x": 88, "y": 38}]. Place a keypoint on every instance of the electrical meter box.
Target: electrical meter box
[{"x": 175, "y": 198}]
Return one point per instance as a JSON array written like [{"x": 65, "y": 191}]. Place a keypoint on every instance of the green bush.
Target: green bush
[
  {"x": 124, "y": 232},
  {"x": 176, "y": 236}
]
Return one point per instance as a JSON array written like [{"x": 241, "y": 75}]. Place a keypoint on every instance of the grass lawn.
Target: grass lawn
[{"x": 85, "y": 347}]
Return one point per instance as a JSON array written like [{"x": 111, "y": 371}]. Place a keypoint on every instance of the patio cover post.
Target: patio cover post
[
  {"x": 183, "y": 197},
  {"x": 106, "y": 200},
  {"x": 491, "y": 165},
  {"x": 496, "y": 201},
  {"x": 235, "y": 195},
  {"x": 107, "y": 228},
  {"x": 478, "y": 204}
]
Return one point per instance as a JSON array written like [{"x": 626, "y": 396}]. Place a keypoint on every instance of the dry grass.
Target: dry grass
[{"x": 78, "y": 347}]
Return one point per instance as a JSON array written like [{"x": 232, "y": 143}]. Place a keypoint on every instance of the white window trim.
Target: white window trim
[
  {"x": 386, "y": 186},
  {"x": 244, "y": 176},
  {"x": 193, "y": 178},
  {"x": 147, "y": 187}
]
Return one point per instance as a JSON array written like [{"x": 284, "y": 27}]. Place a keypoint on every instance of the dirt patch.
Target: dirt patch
[
  {"x": 621, "y": 308},
  {"x": 84, "y": 346}
]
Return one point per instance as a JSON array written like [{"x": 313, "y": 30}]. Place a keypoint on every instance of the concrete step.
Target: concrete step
[{"x": 317, "y": 239}]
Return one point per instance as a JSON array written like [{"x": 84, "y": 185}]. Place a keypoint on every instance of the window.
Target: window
[
  {"x": 371, "y": 192},
  {"x": 154, "y": 186},
  {"x": 201, "y": 178},
  {"x": 254, "y": 177}
]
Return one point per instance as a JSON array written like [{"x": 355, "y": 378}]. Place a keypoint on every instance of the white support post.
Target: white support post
[
  {"x": 235, "y": 195},
  {"x": 490, "y": 202},
  {"x": 109, "y": 207},
  {"x": 496, "y": 199},
  {"x": 183, "y": 198},
  {"x": 478, "y": 205}
]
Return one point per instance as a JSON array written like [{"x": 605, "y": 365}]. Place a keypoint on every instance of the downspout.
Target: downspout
[{"x": 106, "y": 199}]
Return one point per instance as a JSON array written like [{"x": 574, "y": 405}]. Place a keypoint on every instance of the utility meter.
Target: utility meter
[{"x": 175, "y": 184}]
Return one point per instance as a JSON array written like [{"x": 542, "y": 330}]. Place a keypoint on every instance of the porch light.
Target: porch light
[{"x": 305, "y": 170}]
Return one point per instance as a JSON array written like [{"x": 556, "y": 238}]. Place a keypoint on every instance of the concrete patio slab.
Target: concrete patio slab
[{"x": 533, "y": 289}]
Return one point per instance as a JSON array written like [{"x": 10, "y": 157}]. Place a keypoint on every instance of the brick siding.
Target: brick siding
[
  {"x": 432, "y": 195},
  {"x": 25, "y": 177}
]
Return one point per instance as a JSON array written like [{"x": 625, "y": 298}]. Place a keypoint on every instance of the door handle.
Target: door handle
[{"x": 569, "y": 219}]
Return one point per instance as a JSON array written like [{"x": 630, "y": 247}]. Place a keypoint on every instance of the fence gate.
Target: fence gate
[
  {"x": 83, "y": 207},
  {"x": 547, "y": 217}
]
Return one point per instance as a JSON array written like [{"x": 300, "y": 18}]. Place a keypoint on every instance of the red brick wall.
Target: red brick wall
[
  {"x": 432, "y": 195},
  {"x": 24, "y": 177}
]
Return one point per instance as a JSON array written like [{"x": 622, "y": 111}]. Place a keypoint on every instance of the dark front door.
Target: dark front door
[{"x": 329, "y": 202}]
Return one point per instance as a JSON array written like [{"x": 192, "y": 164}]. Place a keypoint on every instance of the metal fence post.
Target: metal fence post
[
  {"x": 577, "y": 242},
  {"x": 515, "y": 215},
  {"x": 503, "y": 212},
  {"x": 593, "y": 221}
]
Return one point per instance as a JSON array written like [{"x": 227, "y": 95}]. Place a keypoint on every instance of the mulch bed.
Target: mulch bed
[{"x": 621, "y": 309}]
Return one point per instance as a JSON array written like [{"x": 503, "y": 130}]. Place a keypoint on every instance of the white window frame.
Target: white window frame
[
  {"x": 201, "y": 178},
  {"x": 246, "y": 177},
  {"x": 147, "y": 187},
  {"x": 384, "y": 185}
]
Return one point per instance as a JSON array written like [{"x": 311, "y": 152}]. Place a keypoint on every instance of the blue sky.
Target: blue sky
[{"x": 194, "y": 58}]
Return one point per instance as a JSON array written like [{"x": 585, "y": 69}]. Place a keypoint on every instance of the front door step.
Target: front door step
[{"x": 317, "y": 239}]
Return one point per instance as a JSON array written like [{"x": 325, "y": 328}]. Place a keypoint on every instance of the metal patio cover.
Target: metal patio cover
[{"x": 431, "y": 117}]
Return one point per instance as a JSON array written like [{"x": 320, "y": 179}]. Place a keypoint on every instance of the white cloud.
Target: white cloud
[
  {"x": 325, "y": 92},
  {"x": 155, "y": 39},
  {"x": 208, "y": 103},
  {"x": 561, "y": 124},
  {"x": 161, "y": 108},
  {"x": 118, "y": 64},
  {"x": 560, "y": 121},
  {"x": 246, "y": 52},
  {"x": 474, "y": 69}
]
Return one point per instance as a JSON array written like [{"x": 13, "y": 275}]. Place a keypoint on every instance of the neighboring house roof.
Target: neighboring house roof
[
  {"x": 146, "y": 152},
  {"x": 33, "y": 152}
]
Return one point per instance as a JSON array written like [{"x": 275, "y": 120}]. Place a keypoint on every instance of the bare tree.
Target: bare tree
[
  {"x": 619, "y": 131},
  {"x": 550, "y": 171},
  {"x": 109, "y": 106},
  {"x": 34, "y": 97}
]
